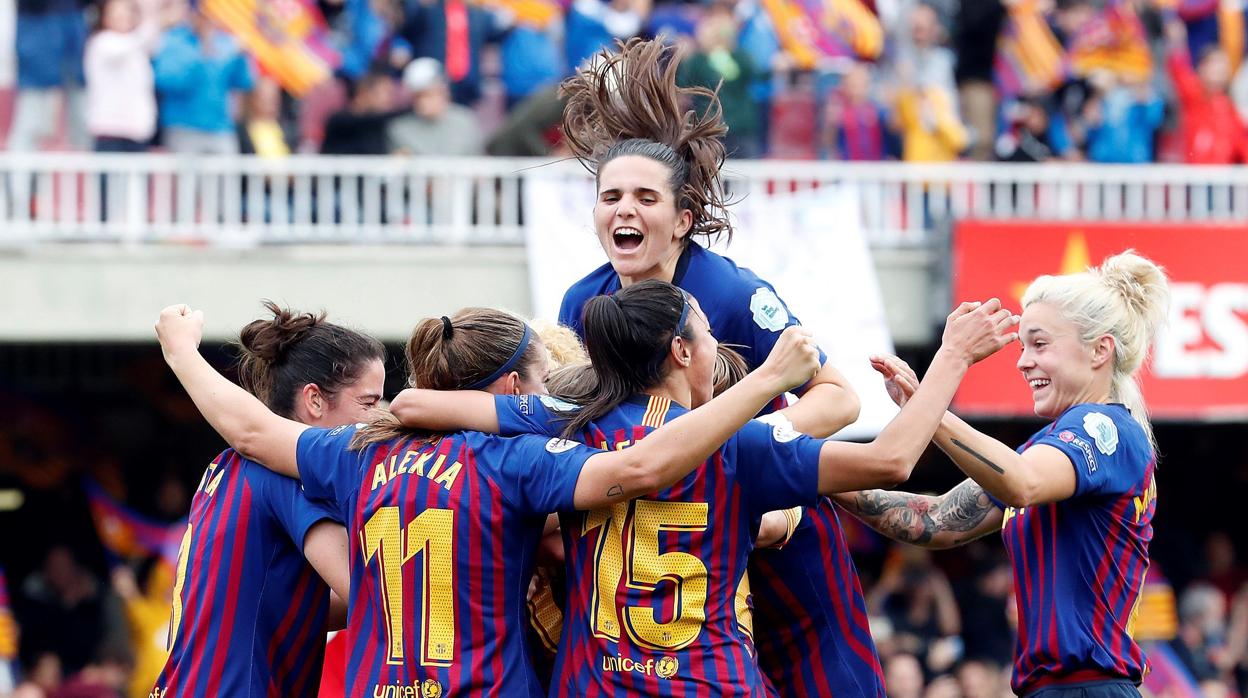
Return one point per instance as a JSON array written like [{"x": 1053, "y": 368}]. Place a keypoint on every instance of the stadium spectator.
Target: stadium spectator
[
  {"x": 50, "y": 38},
  {"x": 104, "y": 677},
  {"x": 978, "y": 679},
  {"x": 921, "y": 54},
  {"x": 918, "y": 601},
  {"x": 855, "y": 125},
  {"x": 1027, "y": 137},
  {"x": 197, "y": 67},
  {"x": 262, "y": 130},
  {"x": 435, "y": 125},
  {"x": 976, "y": 26},
  {"x": 452, "y": 32},
  {"x": 121, "y": 97},
  {"x": 531, "y": 61},
  {"x": 594, "y": 25},
  {"x": 1122, "y": 121},
  {"x": 360, "y": 129},
  {"x": 985, "y": 605},
  {"x": 532, "y": 126},
  {"x": 903, "y": 676},
  {"x": 64, "y": 595},
  {"x": 147, "y": 616},
  {"x": 1222, "y": 570},
  {"x": 1210, "y": 127},
  {"x": 928, "y": 121},
  {"x": 1202, "y": 630},
  {"x": 719, "y": 63}
]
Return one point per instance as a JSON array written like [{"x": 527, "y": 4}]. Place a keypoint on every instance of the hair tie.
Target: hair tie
[
  {"x": 507, "y": 365},
  {"x": 447, "y": 330},
  {"x": 613, "y": 297}
]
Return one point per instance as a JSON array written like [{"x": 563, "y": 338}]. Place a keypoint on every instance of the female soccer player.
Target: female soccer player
[
  {"x": 1075, "y": 502},
  {"x": 652, "y": 584},
  {"x": 657, "y": 170},
  {"x": 249, "y": 613},
  {"x": 444, "y": 527}
]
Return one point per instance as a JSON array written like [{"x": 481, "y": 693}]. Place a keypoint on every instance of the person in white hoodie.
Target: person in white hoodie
[{"x": 121, "y": 98}]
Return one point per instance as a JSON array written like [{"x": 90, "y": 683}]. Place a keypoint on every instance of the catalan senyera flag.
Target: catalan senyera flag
[
  {"x": 1029, "y": 57},
  {"x": 1114, "y": 40},
  {"x": 812, "y": 29},
  {"x": 288, "y": 38},
  {"x": 126, "y": 533}
]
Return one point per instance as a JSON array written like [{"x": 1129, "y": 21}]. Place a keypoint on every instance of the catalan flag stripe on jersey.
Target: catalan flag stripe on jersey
[{"x": 249, "y": 612}]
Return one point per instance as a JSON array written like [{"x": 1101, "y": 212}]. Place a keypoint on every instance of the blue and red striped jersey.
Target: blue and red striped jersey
[
  {"x": 1079, "y": 564},
  {"x": 249, "y": 612},
  {"x": 744, "y": 311},
  {"x": 652, "y": 583},
  {"x": 443, "y": 535},
  {"x": 810, "y": 616}
]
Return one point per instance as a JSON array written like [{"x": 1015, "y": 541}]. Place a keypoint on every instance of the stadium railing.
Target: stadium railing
[{"x": 162, "y": 198}]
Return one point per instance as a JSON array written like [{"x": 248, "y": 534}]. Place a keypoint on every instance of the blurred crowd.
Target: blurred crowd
[{"x": 1116, "y": 81}]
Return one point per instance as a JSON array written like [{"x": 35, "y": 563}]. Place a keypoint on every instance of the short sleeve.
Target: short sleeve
[
  {"x": 778, "y": 468},
  {"x": 530, "y": 414},
  {"x": 538, "y": 473},
  {"x": 293, "y": 511},
  {"x": 570, "y": 311},
  {"x": 329, "y": 469},
  {"x": 1103, "y": 444}
]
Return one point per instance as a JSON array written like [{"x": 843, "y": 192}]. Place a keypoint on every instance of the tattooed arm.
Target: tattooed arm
[
  {"x": 959, "y": 516},
  {"x": 1039, "y": 475}
]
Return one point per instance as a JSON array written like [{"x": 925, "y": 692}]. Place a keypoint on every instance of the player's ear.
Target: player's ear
[
  {"x": 1102, "y": 350},
  {"x": 684, "y": 223},
  {"x": 680, "y": 351},
  {"x": 314, "y": 402},
  {"x": 511, "y": 383}
]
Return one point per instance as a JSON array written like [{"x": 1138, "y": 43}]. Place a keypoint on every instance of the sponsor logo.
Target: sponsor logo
[
  {"x": 1103, "y": 430},
  {"x": 769, "y": 313},
  {"x": 560, "y": 445},
  {"x": 429, "y": 688},
  {"x": 522, "y": 404},
  {"x": 663, "y": 667}
]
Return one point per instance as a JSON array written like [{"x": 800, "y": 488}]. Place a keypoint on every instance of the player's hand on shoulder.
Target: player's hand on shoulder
[
  {"x": 975, "y": 331},
  {"x": 179, "y": 328},
  {"x": 794, "y": 359}
]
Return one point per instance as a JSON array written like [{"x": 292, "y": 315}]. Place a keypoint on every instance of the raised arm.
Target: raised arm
[
  {"x": 828, "y": 404},
  {"x": 972, "y": 332},
  {"x": 958, "y": 516},
  {"x": 674, "y": 450},
  {"x": 239, "y": 417},
  {"x": 446, "y": 410}
]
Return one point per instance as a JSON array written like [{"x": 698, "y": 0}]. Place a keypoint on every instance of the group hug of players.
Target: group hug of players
[{"x": 701, "y": 548}]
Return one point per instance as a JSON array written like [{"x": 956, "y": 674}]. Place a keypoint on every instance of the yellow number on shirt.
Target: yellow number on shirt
[
  {"x": 644, "y": 567},
  {"x": 179, "y": 582},
  {"x": 430, "y": 533}
]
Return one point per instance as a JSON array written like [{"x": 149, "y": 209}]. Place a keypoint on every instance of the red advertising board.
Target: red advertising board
[{"x": 1199, "y": 365}]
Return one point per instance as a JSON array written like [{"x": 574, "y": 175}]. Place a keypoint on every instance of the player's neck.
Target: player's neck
[{"x": 675, "y": 389}]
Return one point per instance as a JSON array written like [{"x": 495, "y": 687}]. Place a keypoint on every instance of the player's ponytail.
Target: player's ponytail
[
  {"x": 628, "y": 336},
  {"x": 1127, "y": 297},
  {"x": 279, "y": 356},
  {"x": 730, "y": 368},
  {"x": 469, "y": 350},
  {"x": 628, "y": 103}
]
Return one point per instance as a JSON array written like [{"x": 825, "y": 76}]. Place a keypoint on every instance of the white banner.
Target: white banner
[{"x": 808, "y": 244}]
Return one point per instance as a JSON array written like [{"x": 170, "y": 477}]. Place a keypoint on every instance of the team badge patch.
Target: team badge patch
[
  {"x": 553, "y": 403},
  {"x": 560, "y": 445},
  {"x": 769, "y": 313},
  {"x": 781, "y": 428},
  {"x": 1102, "y": 430}
]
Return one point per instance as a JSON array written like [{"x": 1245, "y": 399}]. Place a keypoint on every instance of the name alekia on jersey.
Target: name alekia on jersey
[{"x": 414, "y": 463}]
